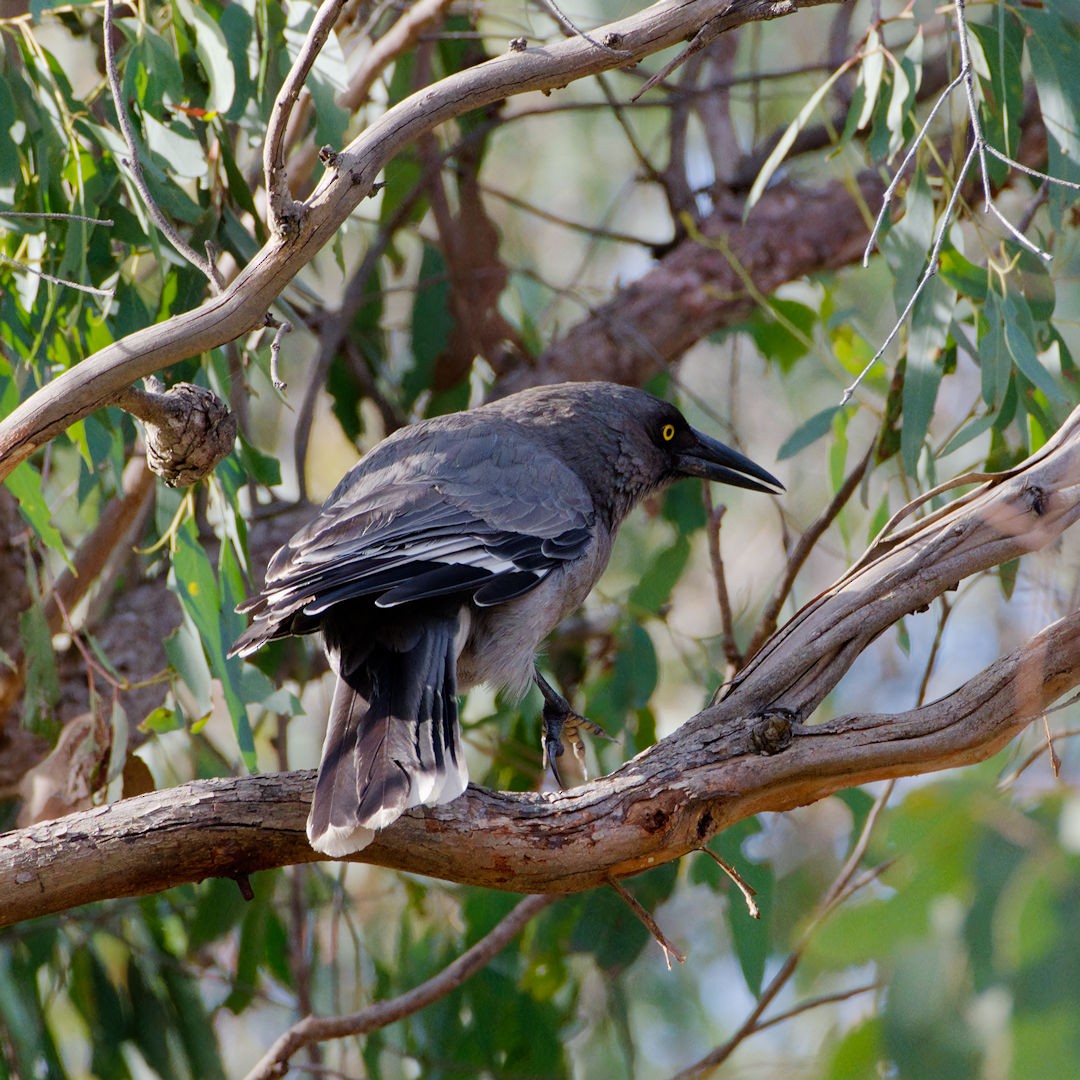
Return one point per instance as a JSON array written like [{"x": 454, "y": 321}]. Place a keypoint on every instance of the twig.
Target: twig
[
  {"x": 414, "y": 20},
  {"x": 571, "y": 29},
  {"x": 979, "y": 147},
  {"x": 843, "y": 885},
  {"x": 807, "y": 543},
  {"x": 931, "y": 269},
  {"x": 282, "y": 328},
  {"x": 1034, "y": 755},
  {"x": 378, "y": 1015},
  {"x": 935, "y": 651},
  {"x": 597, "y": 231},
  {"x": 134, "y": 166},
  {"x": 648, "y": 922},
  {"x": 56, "y": 217},
  {"x": 105, "y": 294},
  {"x": 741, "y": 883},
  {"x": 723, "y": 598},
  {"x": 816, "y": 1003},
  {"x": 967, "y": 75},
  {"x": 283, "y": 212},
  {"x": 705, "y": 36},
  {"x": 890, "y": 191},
  {"x": 1021, "y": 167}
]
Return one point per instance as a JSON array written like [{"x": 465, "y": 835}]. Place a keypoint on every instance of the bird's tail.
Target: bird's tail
[{"x": 393, "y": 739}]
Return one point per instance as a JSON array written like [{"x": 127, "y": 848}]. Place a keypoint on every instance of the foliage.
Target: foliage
[{"x": 488, "y": 240}]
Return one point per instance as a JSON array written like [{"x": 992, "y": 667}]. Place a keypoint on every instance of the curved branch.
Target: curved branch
[
  {"x": 350, "y": 178},
  {"x": 739, "y": 757},
  {"x": 381, "y": 1013}
]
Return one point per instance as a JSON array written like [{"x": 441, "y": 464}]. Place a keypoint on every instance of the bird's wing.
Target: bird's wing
[{"x": 468, "y": 513}]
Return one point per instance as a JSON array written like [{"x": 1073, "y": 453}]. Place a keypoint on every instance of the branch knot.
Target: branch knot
[{"x": 189, "y": 429}]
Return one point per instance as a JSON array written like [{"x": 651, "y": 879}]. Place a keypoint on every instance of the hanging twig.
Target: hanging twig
[
  {"x": 844, "y": 885},
  {"x": 105, "y": 294},
  {"x": 748, "y": 891},
  {"x": 931, "y": 269},
  {"x": 648, "y": 922}
]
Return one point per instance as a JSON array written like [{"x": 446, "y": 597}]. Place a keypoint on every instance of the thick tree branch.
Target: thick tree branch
[
  {"x": 349, "y": 179},
  {"x": 696, "y": 288},
  {"x": 739, "y": 757}
]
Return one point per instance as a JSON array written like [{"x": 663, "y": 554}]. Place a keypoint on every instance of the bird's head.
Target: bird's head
[{"x": 625, "y": 442}]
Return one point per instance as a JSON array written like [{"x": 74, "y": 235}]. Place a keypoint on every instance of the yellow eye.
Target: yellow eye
[{"x": 668, "y": 432}]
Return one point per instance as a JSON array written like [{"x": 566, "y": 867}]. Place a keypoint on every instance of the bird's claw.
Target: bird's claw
[{"x": 559, "y": 720}]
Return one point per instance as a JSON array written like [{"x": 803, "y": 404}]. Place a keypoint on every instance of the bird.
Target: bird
[{"x": 443, "y": 559}]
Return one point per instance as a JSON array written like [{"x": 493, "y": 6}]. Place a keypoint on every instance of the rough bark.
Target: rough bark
[{"x": 751, "y": 751}]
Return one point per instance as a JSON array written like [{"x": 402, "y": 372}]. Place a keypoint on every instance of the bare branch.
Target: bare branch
[
  {"x": 646, "y": 919},
  {"x": 842, "y": 886},
  {"x": 806, "y": 544},
  {"x": 319, "y": 1028},
  {"x": 284, "y": 215},
  {"x": 747, "y": 890}
]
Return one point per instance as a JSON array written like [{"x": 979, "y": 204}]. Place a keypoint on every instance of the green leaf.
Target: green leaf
[
  {"x": 654, "y": 587},
  {"x": 1054, "y": 45},
  {"x": 871, "y": 74},
  {"x": 22, "y": 1018},
  {"x": 965, "y": 277},
  {"x": 431, "y": 323},
  {"x": 930, "y": 319},
  {"x": 684, "y": 507},
  {"x": 1002, "y": 84},
  {"x": 197, "y": 1034},
  {"x": 24, "y": 483},
  {"x": 809, "y": 431},
  {"x": 907, "y": 243},
  {"x": 860, "y": 1053},
  {"x": 213, "y": 616},
  {"x": 1019, "y": 338},
  {"x": 41, "y": 692},
  {"x": 150, "y": 1019},
  {"x": 779, "y": 152},
  {"x": 995, "y": 360},
  {"x": 214, "y": 55},
  {"x": 783, "y": 331}
]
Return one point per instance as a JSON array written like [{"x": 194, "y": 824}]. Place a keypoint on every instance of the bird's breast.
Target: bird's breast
[{"x": 502, "y": 641}]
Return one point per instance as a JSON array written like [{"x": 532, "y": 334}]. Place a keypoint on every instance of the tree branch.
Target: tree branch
[{"x": 714, "y": 771}]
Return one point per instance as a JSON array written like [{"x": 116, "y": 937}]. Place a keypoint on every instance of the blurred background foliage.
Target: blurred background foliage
[{"x": 922, "y": 929}]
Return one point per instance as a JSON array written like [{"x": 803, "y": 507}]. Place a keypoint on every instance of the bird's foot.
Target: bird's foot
[{"x": 560, "y": 721}]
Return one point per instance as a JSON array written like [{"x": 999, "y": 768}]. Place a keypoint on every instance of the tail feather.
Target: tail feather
[{"x": 392, "y": 741}]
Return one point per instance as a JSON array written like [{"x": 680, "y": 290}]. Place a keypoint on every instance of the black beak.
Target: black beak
[{"x": 712, "y": 460}]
